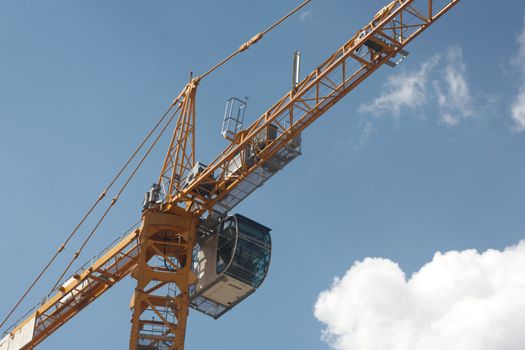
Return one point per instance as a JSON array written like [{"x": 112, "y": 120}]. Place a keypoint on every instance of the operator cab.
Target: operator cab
[{"x": 230, "y": 265}]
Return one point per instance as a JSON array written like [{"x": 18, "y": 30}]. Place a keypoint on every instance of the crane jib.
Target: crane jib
[
  {"x": 259, "y": 151},
  {"x": 378, "y": 43}
]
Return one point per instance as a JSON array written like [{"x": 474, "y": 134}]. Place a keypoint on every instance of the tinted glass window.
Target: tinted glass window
[
  {"x": 252, "y": 255},
  {"x": 226, "y": 244}
]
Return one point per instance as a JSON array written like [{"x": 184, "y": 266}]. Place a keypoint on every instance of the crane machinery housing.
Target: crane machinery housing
[{"x": 189, "y": 252}]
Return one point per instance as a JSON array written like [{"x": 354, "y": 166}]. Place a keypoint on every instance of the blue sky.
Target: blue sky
[{"x": 391, "y": 171}]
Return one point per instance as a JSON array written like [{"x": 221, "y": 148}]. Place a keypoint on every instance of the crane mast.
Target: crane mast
[
  {"x": 180, "y": 157},
  {"x": 189, "y": 198}
]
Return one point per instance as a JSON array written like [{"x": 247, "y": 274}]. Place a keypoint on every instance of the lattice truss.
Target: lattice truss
[
  {"x": 161, "y": 299},
  {"x": 159, "y": 254},
  {"x": 87, "y": 284},
  {"x": 180, "y": 157},
  {"x": 274, "y": 139}
]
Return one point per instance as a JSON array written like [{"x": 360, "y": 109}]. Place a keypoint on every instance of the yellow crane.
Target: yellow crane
[{"x": 188, "y": 252}]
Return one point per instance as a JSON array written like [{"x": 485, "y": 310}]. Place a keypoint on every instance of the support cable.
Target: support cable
[
  {"x": 121, "y": 236},
  {"x": 113, "y": 201},
  {"x": 242, "y": 48},
  {"x": 252, "y": 41},
  {"x": 84, "y": 218}
]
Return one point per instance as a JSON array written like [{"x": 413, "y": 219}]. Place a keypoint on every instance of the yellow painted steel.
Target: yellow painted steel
[
  {"x": 392, "y": 28},
  {"x": 161, "y": 300},
  {"x": 83, "y": 288},
  {"x": 159, "y": 254},
  {"x": 180, "y": 157}
]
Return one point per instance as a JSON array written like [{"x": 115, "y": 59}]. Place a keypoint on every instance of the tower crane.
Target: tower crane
[{"x": 189, "y": 251}]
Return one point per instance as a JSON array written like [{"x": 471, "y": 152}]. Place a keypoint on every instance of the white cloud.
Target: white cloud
[
  {"x": 518, "y": 111},
  {"x": 402, "y": 91},
  {"x": 455, "y": 101},
  {"x": 450, "y": 96},
  {"x": 518, "y": 60},
  {"x": 518, "y": 106},
  {"x": 449, "y": 119},
  {"x": 366, "y": 128},
  {"x": 459, "y": 301},
  {"x": 307, "y": 14}
]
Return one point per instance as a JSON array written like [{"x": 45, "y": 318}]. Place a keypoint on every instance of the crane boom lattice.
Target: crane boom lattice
[{"x": 189, "y": 202}]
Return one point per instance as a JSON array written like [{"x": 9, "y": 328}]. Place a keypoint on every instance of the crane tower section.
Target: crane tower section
[{"x": 189, "y": 204}]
